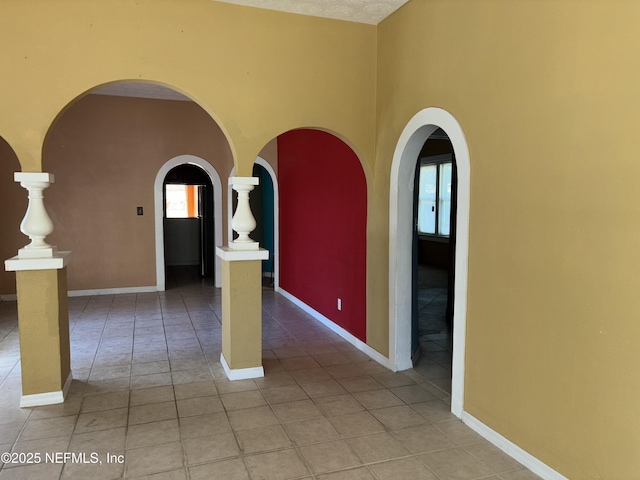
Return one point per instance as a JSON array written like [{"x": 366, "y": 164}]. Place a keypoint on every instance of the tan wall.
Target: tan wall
[
  {"x": 547, "y": 95},
  {"x": 270, "y": 154},
  {"x": 105, "y": 153}
]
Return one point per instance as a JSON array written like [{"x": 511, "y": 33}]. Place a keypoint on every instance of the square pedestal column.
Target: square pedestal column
[
  {"x": 43, "y": 322},
  {"x": 242, "y": 312}
]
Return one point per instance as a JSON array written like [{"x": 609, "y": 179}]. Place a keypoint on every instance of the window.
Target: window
[
  {"x": 182, "y": 201},
  {"x": 434, "y": 195}
]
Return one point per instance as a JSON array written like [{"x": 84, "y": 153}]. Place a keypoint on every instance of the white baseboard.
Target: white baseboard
[
  {"x": 97, "y": 291},
  {"x": 359, "y": 344},
  {"x": 511, "y": 449},
  {"x": 241, "y": 373},
  {"x": 112, "y": 291},
  {"x": 48, "y": 398}
]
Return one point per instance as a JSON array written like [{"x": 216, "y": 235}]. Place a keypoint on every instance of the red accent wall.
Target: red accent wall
[{"x": 323, "y": 221}]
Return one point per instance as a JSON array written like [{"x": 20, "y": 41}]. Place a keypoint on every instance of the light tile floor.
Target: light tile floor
[
  {"x": 149, "y": 389},
  {"x": 434, "y": 332}
]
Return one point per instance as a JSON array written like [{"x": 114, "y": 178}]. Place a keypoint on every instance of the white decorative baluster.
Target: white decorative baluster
[
  {"x": 36, "y": 223},
  {"x": 243, "y": 222}
]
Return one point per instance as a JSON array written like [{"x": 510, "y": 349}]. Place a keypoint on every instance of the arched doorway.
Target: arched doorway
[
  {"x": 105, "y": 150},
  {"x": 188, "y": 222},
  {"x": 323, "y": 227},
  {"x": 408, "y": 148},
  {"x": 264, "y": 207},
  {"x": 158, "y": 195},
  {"x": 434, "y": 235}
]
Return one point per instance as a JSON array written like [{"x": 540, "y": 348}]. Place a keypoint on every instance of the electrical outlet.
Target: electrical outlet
[
  {"x": 339, "y": 304},
  {"x": 140, "y": 211}
]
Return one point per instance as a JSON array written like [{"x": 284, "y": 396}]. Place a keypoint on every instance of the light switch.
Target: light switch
[{"x": 140, "y": 212}]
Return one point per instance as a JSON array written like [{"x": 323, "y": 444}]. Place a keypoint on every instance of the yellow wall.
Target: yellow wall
[
  {"x": 258, "y": 73},
  {"x": 242, "y": 314},
  {"x": 547, "y": 95},
  {"x": 44, "y": 330}
]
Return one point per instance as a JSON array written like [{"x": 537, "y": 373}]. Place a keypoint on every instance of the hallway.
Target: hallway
[
  {"x": 148, "y": 385},
  {"x": 434, "y": 333}
]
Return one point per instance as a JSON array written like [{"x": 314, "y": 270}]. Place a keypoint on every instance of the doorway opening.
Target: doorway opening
[
  {"x": 188, "y": 222},
  {"x": 401, "y": 199},
  {"x": 189, "y": 240},
  {"x": 433, "y": 260},
  {"x": 263, "y": 208}
]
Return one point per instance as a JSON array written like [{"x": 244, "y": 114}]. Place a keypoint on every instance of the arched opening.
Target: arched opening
[
  {"x": 264, "y": 207},
  {"x": 188, "y": 199},
  {"x": 205, "y": 230},
  {"x": 105, "y": 150},
  {"x": 408, "y": 148},
  {"x": 323, "y": 221},
  {"x": 433, "y": 260},
  {"x": 320, "y": 219}
]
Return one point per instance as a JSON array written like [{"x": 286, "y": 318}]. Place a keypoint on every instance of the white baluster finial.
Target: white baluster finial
[
  {"x": 36, "y": 223},
  {"x": 243, "y": 222}
]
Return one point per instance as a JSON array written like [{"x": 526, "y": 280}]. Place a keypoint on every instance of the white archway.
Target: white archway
[
  {"x": 411, "y": 141},
  {"x": 276, "y": 244},
  {"x": 159, "y": 213}
]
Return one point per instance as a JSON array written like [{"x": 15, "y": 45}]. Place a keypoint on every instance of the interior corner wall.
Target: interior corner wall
[
  {"x": 105, "y": 153},
  {"x": 13, "y": 202},
  {"x": 323, "y": 216}
]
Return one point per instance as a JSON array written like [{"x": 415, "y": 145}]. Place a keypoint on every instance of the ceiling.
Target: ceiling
[
  {"x": 361, "y": 11},
  {"x": 140, "y": 90}
]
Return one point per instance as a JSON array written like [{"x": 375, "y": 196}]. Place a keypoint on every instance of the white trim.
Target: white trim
[
  {"x": 243, "y": 180},
  {"x": 356, "y": 342},
  {"x": 49, "y": 398},
  {"x": 57, "y": 262},
  {"x": 241, "y": 373},
  {"x": 158, "y": 213},
  {"x": 33, "y": 177},
  {"x": 406, "y": 154},
  {"x": 231, "y": 255},
  {"x": 97, "y": 291},
  {"x": 511, "y": 449},
  {"x": 276, "y": 218},
  {"x": 112, "y": 291}
]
